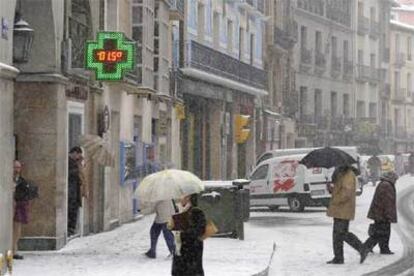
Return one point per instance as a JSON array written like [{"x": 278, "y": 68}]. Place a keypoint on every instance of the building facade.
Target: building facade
[
  {"x": 280, "y": 106},
  {"x": 222, "y": 83},
  {"x": 324, "y": 71},
  {"x": 402, "y": 70},
  {"x": 57, "y": 101}
]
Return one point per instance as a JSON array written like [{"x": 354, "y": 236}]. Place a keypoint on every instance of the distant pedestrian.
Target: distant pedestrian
[
  {"x": 164, "y": 211},
  {"x": 383, "y": 211},
  {"x": 399, "y": 164},
  {"x": 342, "y": 210},
  {"x": 411, "y": 164},
  {"x": 188, "y": 260},
  {"x": 374, "y": 165},
  {"x": 23, "y": 193},
  {"x": 74, "y": 188}
]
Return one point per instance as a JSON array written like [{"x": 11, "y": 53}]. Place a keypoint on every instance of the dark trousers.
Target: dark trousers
[
  {"x": 155, "y": 232},
  {"x": 341, "y": 234},
  {"x": 381, "y": 236},
  {"x": 73, "y": 207}
]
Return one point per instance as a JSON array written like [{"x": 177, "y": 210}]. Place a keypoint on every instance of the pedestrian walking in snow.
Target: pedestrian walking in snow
[
  {"x": 374, "y": 165},
  {"x": 163, "y": 210},
  {"x": 383, "y": 211},
  {"x": 399, "y": 164},
  {"x": 188, "y": 260},
  {"x": 342, "y": 210}
]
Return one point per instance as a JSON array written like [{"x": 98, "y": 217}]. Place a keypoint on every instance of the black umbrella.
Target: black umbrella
[{"x": 327, "y": 158}]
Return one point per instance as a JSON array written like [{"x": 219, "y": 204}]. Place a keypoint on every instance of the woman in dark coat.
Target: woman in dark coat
[
  {"x": 383, "y": 211},
  {"x": 189, "y": 261}
]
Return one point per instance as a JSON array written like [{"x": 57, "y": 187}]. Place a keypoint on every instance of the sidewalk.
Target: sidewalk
[{"x": 120, "y": 252}]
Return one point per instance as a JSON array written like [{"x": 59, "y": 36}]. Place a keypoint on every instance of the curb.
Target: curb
[{"x": 265, "y": 272}]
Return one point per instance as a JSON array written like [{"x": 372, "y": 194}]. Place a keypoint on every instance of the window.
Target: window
[
  {"x": 318, "y": 103},
  {"x": 230, "y": 35},
  {"x": 209, "y": 10},
  {"x": 397, "y": 44},
  {"x": 372, "y": 110},
  {"x": 252, "y": 46},
  {"x": 261, "y": 173},
  {"x": 360, "y": 57},
  {"x": 192, "y": 13},
  {"x": 346, "y": 105},
  {"x": 372, "y": 13},
  {"x": 409, "y": 85},
  {"x": 360, "y": 9},
  {"x": 360, "y": 109},
  {"x": 241, "y": 43},
  {"x": 334, "y": 46},
  {"x": 216, "y": 30},
  {"x": 409, "y": 45},
  {"x": 346, "y": 51},
  {"x": 334, "y": 104},
  {"x": 372, "y": 61},
  {"x": 318, "y": 42},
  {"x": 396, "y": 81},
  {"x": 303, "y": 98},
  {"x": 200, "y": 22},
  {"x": 303, "y": 37}
]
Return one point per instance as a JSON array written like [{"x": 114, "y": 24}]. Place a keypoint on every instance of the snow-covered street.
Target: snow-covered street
[{"x": 303, "y": 247}]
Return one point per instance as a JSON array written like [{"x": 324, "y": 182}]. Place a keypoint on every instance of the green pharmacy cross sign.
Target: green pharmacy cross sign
[{"x": 110, "y": 56}]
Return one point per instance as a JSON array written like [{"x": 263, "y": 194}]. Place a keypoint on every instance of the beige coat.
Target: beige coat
[{"x": 342, "y": 204}]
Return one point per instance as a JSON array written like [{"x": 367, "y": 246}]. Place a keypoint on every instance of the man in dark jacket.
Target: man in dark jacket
[
  {"x": 383, "y": 211},
  {"x": 74, "y": 188}
]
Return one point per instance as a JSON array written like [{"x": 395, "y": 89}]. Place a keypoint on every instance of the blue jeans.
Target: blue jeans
[{"x": 168, "y": 236}]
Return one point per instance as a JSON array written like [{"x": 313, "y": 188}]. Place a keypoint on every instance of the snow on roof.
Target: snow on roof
[{"x": 402, "y": 25}]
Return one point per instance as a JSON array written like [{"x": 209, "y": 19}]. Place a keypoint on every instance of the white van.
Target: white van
[{"x": 282, "y": 181}]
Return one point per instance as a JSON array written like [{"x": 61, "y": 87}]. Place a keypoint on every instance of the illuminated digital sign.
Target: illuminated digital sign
[{"x": 110, "y": 56}]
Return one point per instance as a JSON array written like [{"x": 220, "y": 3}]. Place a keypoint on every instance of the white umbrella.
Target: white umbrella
[
  {"x": 98, "y": 149},
  {"x": 168, "y": 184}
]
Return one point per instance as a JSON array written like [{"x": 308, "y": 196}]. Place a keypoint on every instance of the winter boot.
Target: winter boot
[{"x": 336, "y": 261}]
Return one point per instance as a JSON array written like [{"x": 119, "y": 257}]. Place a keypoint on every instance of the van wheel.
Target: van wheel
[
  {"x": 273, "y": 208},
  {"x": 295, "y": 204}
]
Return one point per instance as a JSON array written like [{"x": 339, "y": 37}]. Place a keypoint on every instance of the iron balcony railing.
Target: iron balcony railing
[
  {"x": 363, "y": 73},
  {"x": 305, "y": 56},
  {"x": 212, "y": 61},
  {"x": 374, "y": 31},
  {"x": 363, "y": 25},
  {"x": 176, "y": 9},
  {"x": 399, "y": 60}
]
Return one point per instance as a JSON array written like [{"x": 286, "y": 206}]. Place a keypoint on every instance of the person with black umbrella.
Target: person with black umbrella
[{"x": 342, "y": 210}]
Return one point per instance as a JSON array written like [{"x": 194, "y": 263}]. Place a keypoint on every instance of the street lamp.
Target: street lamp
[{"x": 22, "y": 39}]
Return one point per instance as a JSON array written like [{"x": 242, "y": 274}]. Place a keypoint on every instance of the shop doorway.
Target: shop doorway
[{"x": 76, "y": 114}]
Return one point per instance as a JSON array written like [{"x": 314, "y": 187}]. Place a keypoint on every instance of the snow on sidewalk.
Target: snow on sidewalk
[{"x": 120, "y": 252}]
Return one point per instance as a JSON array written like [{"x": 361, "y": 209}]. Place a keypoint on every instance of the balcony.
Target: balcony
[
  {"x": 335, "y": 67},
  {"x": 374, "y": 75},
  {"x": 386, "y": 55},
  {"x": 287, "y": 38},
  {"x": 176, "y": 9},
  {"x": 348, "y": 70},
  {"x": 320, "y": 62},
  {"x": 374, "y": 31},
  {"x": 399, "y": 60},
  {"x": 214, "y": 62},
  {"x": 363, "y": 73},
  {"x": 400, "y": 94},
  {"x": 363, "y": 25}
]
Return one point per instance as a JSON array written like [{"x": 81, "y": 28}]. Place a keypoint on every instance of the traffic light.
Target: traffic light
[{"x": 241, "y": 132}]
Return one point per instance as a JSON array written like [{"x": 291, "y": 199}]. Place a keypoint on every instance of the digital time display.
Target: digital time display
[{"x": 109, "y": 55}]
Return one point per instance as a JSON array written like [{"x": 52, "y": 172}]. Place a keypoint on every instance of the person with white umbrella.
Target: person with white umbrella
[{"x": 164, "y": 211}]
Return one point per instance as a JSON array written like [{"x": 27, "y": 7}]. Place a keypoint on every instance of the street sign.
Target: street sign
[{"x": 110, "y": 56}]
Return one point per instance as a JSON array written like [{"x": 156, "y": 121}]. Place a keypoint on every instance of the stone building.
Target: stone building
[
  {"x": 57, "y": 101},
  {"x": 8, "y": 74},
  {"x": 324, "y": 71},
  {"x": 280, "y": 106},
  {"x": 222, "y": 82},
  {"x": 402, "y": 89}
]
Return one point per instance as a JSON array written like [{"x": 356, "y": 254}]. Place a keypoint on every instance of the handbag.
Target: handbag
[{"x": 210, "y": 230}]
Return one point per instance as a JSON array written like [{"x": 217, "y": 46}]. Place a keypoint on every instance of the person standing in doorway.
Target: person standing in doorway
[
  {"x": 74, "y": 188},
  {"x": 21, "y": 206},
  {"x": 383, "y": 211},
  {"x": 342, "y": 210}
]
